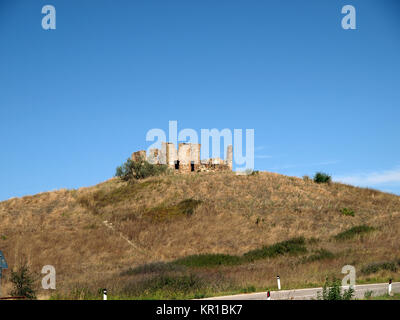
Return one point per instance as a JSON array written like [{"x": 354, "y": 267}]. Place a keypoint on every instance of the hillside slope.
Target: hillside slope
[{"x": 161, "y": 219}]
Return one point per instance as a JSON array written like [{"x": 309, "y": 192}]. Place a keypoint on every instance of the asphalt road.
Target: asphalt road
[{"x": 378, "y": 289}]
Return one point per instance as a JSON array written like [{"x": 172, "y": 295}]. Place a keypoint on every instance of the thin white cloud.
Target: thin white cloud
[{"x": 372, "y": 178}]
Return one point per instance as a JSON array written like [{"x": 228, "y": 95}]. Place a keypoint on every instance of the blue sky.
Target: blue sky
[{"x": 76, "y": 101}]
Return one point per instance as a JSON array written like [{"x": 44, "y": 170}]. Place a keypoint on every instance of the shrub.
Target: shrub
[
  {"x": 332, "y": 291},
  {"x": 208, "y": 260},
  {"x": 321, "y": 177},
  {"x": 23, "y": 282},
  {"x": 320, "y": 254},
  {"x": 375, "y": 267},
  {"x": 292, "y": 246},
  {"x": 134, "y": 170},
  {"x": 352, "y": 232},
  {"x": 154, "y": 267},
  {"x": 347, "y": 212}
]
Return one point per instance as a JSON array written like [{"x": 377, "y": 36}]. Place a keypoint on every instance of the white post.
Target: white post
[
  {"x": 390, "y": 287},
  {"x": 104, "y": 294},
  {"x": 279, "y": 282},
  {"x": 268, "y": 295}
]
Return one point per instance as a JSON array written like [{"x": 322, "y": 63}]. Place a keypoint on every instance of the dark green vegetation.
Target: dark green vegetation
[
  {"x": 135, "y": 170},
  {"x": 209, "y": 260},
  {"x": 23, "y": 282},
  {"x": 163, "y": 286},
  {"x": 320, "y": 254},
  {"x": 183, "y": 208},
  {"x": 321, "y": 177},
  {"x": 155, "y": 267},
  {"x": 354, "y": 231},
  {"x": 332, "y": 291},
  {"x": 347, "y": 212},
  {"x": 187, "y": 277},
  {"x": 377, "y": 266},
  {"x": 292, "y": 246}
]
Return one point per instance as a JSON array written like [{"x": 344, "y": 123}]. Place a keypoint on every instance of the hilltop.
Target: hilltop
[{"x": 198, "y": 234}]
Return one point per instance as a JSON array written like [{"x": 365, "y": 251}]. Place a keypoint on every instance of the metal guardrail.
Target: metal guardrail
[{"x": 13, "y": 298}]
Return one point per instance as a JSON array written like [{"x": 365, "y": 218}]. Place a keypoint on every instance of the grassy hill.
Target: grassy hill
[{"x": 185, "y": 236}]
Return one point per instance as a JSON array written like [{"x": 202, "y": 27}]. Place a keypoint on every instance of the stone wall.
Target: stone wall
[
  {"x": 139, "y": 154},
  {"x": 186, "y": 159}
]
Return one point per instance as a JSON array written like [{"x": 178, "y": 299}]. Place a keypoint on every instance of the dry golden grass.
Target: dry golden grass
[{"x": 235, "y": 214}]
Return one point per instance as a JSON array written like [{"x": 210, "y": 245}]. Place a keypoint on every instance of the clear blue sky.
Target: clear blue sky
[{"x": 76, "y": 101}]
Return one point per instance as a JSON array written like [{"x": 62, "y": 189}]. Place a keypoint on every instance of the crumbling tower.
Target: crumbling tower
[
  {"x": 171, "y": 155},
  {"x": 229, "y": 156}
]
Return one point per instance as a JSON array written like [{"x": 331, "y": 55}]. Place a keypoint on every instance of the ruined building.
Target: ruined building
[{"x": 186, "y": 158}]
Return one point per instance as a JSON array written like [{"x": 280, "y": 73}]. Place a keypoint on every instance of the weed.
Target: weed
[
  {"x": 347, "y": 212},
  {"x": 332, "y": 291}
]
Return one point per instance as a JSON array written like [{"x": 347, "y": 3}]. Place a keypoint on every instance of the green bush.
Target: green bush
[
  {"x": 321, "y": 177},
  {"x": 375, "y": 267},
  {"x": 23, "y": 283},
  {"x": 208, "y": 260},
  {"x": 332, "y": 291},
  {"x": 292, "y": 246},
  {"x": 154, "y": 267},
  {"x": 347, "y": 212},
  {"x": 134, "y": 170},
  {"x": 352, "y": 232}
]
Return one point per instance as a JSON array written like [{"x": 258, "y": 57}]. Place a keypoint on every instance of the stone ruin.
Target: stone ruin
[{"x": 186, "y": 159}]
